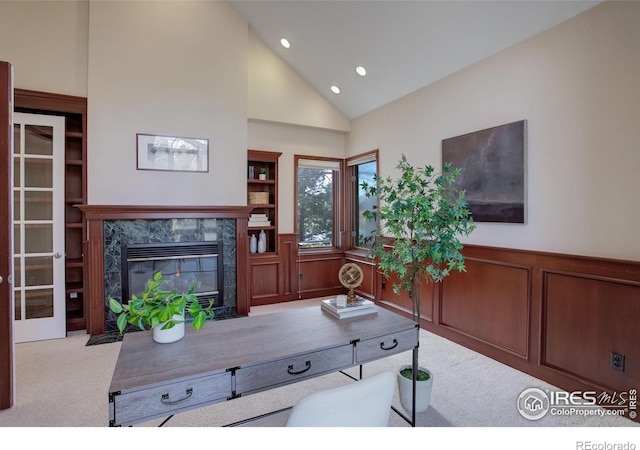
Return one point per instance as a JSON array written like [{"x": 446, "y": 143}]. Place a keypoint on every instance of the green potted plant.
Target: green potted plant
[
  {"x": 419, "y": 221},
  {"x": 163, "y": 311},
  {"x": 262, "y": 173}
]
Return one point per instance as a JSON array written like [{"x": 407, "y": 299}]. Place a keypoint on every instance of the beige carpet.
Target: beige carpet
[{"x": 63, "y": 383}]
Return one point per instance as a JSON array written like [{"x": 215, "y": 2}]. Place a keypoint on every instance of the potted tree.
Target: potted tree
[
  {"x": 419, "y": 221},
  {"x": 163, "y": 311}
]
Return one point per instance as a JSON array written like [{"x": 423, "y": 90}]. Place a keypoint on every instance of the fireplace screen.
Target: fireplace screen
[{"x": 184, "y": 264}]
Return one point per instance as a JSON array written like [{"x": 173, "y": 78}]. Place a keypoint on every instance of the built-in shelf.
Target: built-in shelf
[{"x": 259, "y": 159}]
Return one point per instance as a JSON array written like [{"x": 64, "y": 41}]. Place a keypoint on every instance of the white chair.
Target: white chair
[{"x": 365, "y": 403}]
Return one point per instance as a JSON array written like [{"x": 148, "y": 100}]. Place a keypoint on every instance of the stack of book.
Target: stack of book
[
  {"x": 259, "y": 220},
  {"x": 361, "y": 308}
]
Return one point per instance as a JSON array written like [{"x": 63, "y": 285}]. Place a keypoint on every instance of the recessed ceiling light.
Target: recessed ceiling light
[
  {"x": 335, "y": 89},
  {"x": 285, "y": 43},
  {"x": 361, "y": 71}
]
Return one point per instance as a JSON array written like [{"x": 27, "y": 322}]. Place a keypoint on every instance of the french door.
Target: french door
[{"x": 39, "y": 227}]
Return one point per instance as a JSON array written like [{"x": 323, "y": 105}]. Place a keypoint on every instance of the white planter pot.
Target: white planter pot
[
  {"x": 423, "y": 391},
  {"x": 262, "y": 176},
  {"x": 172, "y": 334}
]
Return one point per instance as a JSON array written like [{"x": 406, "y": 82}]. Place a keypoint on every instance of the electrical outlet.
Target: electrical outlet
[{"x": 617, "y": 361}]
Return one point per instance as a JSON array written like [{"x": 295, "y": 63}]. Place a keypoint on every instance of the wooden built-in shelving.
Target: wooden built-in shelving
[{"x": 266, "y": 160}]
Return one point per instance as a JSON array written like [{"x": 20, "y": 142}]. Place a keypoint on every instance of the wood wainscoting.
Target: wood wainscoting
[
  {"x": 272, "y": 277},
  {"x": 289, "y": 275},
  {"x": 557, "y": 317}
]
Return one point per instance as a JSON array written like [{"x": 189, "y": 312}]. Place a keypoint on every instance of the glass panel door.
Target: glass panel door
[{"x": 38, "y": 203}]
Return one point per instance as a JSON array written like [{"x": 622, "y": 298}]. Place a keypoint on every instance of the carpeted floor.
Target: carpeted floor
[{"x": 65, "y": 382}]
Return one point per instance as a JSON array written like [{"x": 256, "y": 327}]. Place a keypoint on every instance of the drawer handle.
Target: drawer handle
[
  {"x": 165, "y": 398},
  {"x": 395, "y": 344},
  {"x": 291, "y": 372}
]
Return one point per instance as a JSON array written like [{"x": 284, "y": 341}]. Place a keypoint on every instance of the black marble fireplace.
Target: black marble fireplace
[{"x": 185, "y": 244}]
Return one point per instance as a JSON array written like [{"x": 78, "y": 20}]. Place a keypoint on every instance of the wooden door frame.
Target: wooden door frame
[{"x": 6, "y": 233}]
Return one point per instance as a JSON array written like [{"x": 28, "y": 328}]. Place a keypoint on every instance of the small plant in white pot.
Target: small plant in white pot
[
  {"x": 163, "y": 311},
  {"x": 262, "y": 173},
  {"x": 424, "y": 386},
  {"x": 419, "y": 221}
]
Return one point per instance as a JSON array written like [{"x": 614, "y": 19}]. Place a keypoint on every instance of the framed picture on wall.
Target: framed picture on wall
[
  {"x": 493, "y": 170},
  {"x": 172, "y": 153}
]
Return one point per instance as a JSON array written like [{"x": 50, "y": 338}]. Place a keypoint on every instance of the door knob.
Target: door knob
[
  {"x": 57, "y": 255},
  {"x": 1, "y": 279}
]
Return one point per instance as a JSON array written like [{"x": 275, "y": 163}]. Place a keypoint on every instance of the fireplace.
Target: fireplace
[
  {"x": 109, "y": 227},
  {"x": 183, "y": 264}
]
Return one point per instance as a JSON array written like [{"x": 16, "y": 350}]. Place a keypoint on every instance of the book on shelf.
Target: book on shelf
[
  {"x": 361, "y": 308},
  {"x": 259, "y": 220}
]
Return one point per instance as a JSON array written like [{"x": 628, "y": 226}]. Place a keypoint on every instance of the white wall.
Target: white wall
[
  {"x": 204, "y": 76},
  {"x": 577, "y": 85},
  {"x": 170, "y": 68},
  {"x": 185, "y": 68},
  {"x": 46, "y": 43},
  {"x": 277, "y": 93}
]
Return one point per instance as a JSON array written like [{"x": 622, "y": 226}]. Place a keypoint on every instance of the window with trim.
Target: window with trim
[
  {"x": 318, "y": 202},
  {"x": 362, "y": 168}
]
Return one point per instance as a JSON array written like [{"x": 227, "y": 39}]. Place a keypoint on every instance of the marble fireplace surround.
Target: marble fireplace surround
[{"x": 95, "y": 248}]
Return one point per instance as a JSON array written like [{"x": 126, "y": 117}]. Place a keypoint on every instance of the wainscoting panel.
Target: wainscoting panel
[
  {"x": 554, "y": 316},
  {"x": 402, "y": 300},
  {"x": 318, "y": 274},
  {"x": 587, "y": 318},
  {"x": 288, "y": 246},
  {"x": 487, "y": 294},
  {"x": 264, "y": 280}
]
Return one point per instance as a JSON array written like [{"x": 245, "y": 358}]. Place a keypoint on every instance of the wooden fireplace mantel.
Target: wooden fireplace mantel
[
  {"x": 93, "y": 248},
  {"x": 132, "y": 212}
]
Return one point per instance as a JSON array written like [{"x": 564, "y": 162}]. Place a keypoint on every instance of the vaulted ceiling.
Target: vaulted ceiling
[{"x": 403, "y": 45}]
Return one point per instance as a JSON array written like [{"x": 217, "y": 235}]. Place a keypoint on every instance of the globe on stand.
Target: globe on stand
[{"x": 350, "y": 276}]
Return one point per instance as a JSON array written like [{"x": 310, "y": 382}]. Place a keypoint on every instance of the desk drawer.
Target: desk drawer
[
  {"x": 146, "y": 404},
  {"x": 260, "y": 376},
  {"x": 388, "y": 345}
]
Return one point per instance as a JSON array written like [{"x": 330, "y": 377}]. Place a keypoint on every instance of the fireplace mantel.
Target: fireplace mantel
[
  {"x": 95, "y": 216},
  {"x": 132, "y": 212}
]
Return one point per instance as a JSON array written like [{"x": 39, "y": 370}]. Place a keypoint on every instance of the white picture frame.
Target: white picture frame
[{"x": 172, "y": 153}]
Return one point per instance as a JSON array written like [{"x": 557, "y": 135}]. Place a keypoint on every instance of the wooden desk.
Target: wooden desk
[{"x": 229, "y": 358}]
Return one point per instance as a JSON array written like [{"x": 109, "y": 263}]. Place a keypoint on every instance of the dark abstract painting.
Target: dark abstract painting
[{"x": 493, "y": 171}]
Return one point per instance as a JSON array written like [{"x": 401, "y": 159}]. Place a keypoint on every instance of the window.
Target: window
[
  {"x": 362, "y": 168},
  {"x": 318, "y": 205}
]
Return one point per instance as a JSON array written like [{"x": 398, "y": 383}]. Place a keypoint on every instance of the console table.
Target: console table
[{"x": 230, "y": 358}]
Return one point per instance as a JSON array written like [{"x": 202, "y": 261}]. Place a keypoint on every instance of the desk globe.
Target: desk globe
[{"x": 350, "y": 276}]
